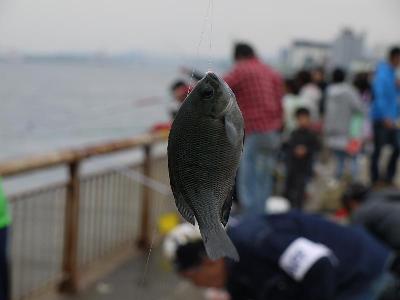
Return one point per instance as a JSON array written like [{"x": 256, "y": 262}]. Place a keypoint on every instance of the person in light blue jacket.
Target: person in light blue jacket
[{"x": 385, "y": 113}]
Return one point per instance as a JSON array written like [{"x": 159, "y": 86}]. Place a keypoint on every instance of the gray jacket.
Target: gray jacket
[
  {"x": 381, "y": 217},
  {"x": 342, "y": 102}
]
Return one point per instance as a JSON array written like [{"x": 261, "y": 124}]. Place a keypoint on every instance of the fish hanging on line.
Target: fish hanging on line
[{"x": 204, "y": 149}]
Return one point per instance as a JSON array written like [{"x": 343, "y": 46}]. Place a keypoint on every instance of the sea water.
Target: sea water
[{"x": 49, "y": 106}]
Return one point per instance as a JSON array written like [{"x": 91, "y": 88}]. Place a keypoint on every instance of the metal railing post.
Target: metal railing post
[
  {"x": 143, "y": 241},
  {"x": 70, "y": 256}
]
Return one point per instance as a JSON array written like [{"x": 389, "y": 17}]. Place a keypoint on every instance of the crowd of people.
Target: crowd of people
[
  {"x": 288, "y": 253},
  {"x": 291, "y": 120},
  {"x": 291, "y": 254}
]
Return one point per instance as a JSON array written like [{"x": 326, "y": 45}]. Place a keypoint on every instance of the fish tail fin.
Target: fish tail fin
[{"x": 218, "y": 243}]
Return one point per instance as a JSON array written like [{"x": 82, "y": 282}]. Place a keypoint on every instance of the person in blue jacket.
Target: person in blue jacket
[
  {"x": 385, "y": 113},
  {"x": 289, "y": 256}
]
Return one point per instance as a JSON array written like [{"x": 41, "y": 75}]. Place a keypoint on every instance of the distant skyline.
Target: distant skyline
[{"x": 173, "y": 27}]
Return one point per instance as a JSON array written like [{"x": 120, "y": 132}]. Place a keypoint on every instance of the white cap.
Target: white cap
[
  {"x": 216, "y": 294},
  {"x": 179, "y": 236},
  {"x": 277, "y": 205}
]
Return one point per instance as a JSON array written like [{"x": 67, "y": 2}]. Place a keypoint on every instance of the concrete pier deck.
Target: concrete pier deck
[{"x": 135, "y": 281}]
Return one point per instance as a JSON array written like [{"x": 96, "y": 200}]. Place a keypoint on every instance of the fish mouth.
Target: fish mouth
[{"x": 213, "y": 79}]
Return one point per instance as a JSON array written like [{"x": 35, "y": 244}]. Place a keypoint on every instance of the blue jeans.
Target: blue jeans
[
  {"x": 341, "y": 158},
  {"x": 4, "y": 273},
  {"x": 256, "y": 170}
]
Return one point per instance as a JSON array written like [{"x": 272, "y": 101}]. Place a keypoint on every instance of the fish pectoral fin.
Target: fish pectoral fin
[
  {"x": 185, "y": 210},
  {"x": 231, "y": 131},
  {"x": 226, "y": 208}
]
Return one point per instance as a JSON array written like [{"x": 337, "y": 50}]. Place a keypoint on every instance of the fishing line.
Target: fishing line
[
  {"x": 139, "y": 177},
  {"x": 203, "y": 31},
  {"x": 157, "y": 186},
  {"x": 210, "y": 62},
  {"x": 146, "y": 267},
  {"x": 153, "y": 237},
  {"x": 105, "y": 116},
  {"x": 162, "y": 189},
  {"x": 148, "y": 181}
]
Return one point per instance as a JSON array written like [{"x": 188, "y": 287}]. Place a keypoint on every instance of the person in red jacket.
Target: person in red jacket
[{"x": 259, "y": 92}]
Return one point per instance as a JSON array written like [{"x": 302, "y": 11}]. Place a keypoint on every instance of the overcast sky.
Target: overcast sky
[{"x": 174, "y": 26}]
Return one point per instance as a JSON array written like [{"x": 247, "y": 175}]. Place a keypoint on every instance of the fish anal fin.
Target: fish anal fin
[
  {"x": 226, "y": 208},
  {"x": 185, "y": 210},
  {"x": 180, "y": 203}
]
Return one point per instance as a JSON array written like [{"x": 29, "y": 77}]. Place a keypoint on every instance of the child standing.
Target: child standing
[
  {"x": 302, "y": 147},
  {"x": 291, "y": 102}
]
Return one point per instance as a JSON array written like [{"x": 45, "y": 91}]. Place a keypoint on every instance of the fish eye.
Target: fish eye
[{"x": 207, "y": 93}]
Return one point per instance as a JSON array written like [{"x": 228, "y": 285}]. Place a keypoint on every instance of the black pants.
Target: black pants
[
  {"x": 384, "y": 136},
  {"x": 296, "y": 181},
  {"x": 4, "y": 272}
]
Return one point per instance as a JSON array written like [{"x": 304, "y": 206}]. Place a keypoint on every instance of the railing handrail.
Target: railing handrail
[
  {"x": 36, "y": 162},
  {"x": 73, "y": 158}
]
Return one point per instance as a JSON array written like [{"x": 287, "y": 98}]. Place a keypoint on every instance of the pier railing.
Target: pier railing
[{"x": 61, "y": 232}]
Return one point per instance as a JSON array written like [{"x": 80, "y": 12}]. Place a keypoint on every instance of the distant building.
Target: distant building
[
  {"x": 308, "y": 54},
  {"x": 347, "y": 49}
]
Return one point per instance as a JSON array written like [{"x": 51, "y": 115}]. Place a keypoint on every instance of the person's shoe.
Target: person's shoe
[
  {"x": 379, "y": 185},
  {"x": 390, "y": 184}
]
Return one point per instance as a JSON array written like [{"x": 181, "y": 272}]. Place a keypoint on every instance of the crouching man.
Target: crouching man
[
  {"x": 378, "y": 212},
  {"x": 288, "y": 256}
]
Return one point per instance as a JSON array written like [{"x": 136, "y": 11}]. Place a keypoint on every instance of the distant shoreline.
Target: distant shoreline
[{"x": 125, "y": 58}]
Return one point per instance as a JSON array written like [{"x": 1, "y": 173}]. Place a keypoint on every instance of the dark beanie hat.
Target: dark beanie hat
[{"x": 189, "y": 255}]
